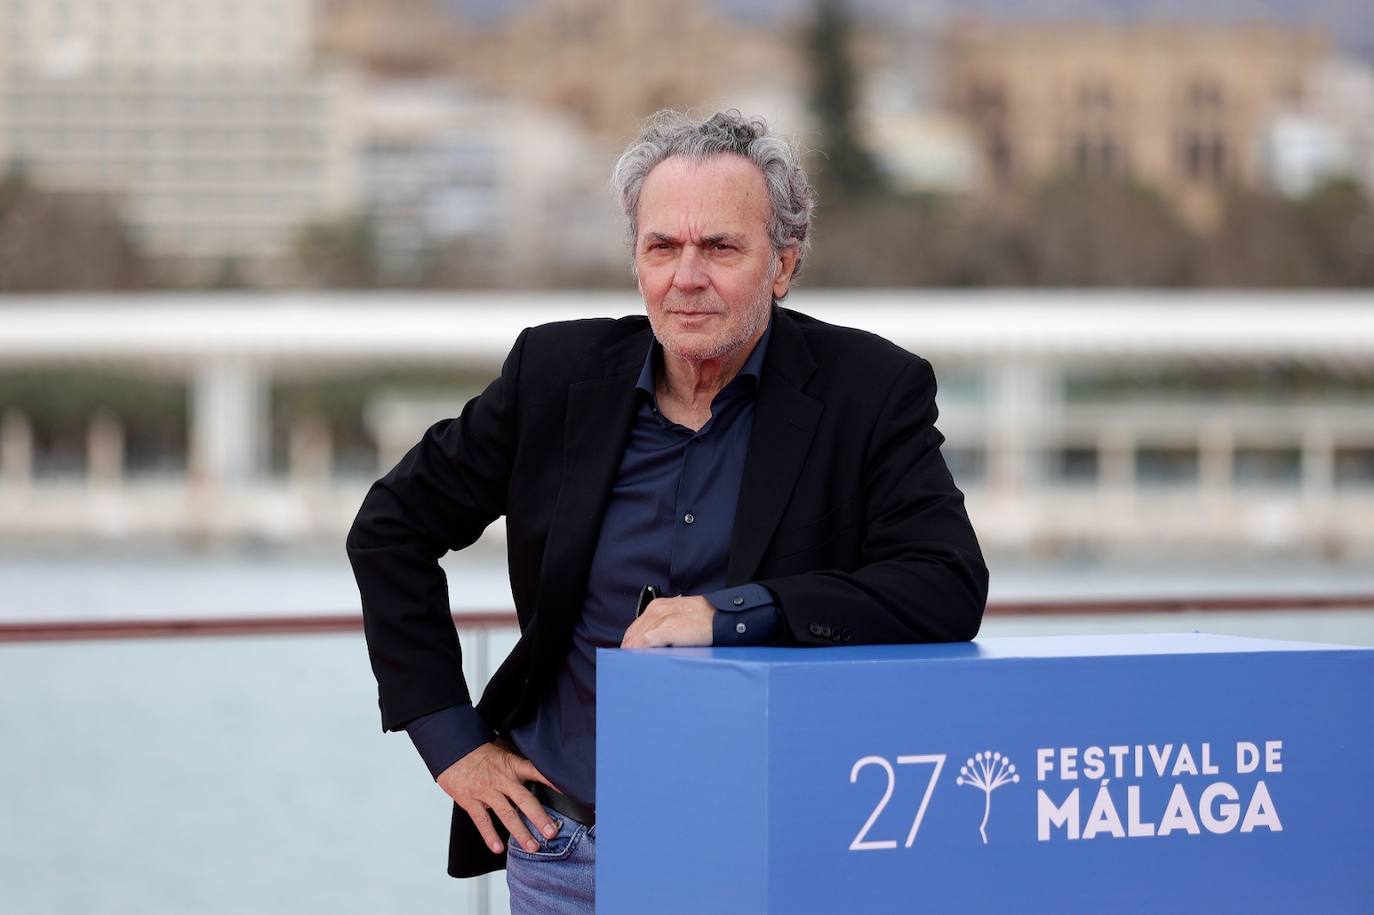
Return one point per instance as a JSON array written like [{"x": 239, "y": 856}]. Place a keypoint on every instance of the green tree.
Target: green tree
[
  {"x": 1340, "y": 220},
  {"x": 847, "y": 169},
  {"x": 1106, "y": 233},
  {"x": 338, "y": 254},
  {"x": 1262, "y": 243},
  {"x": 53, "y": 241}
]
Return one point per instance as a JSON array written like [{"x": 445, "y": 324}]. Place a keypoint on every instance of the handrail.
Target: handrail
[{"x": 139, "y": 628}]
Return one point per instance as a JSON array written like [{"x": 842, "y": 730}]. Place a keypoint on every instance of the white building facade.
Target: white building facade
[
  {"x": 1075, "y": 422},
  {"x": 212, "y": 125}
]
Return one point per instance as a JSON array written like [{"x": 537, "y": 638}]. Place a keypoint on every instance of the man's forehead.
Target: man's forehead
[{"x": 724, "y": 189}]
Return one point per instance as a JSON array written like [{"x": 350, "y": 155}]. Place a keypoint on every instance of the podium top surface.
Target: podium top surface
[{"x": 994, "y": 649}]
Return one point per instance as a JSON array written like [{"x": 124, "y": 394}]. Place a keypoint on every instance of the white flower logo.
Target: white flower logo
[{"x": 989, "y": 771}]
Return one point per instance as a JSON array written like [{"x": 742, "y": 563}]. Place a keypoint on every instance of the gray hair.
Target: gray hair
[{"x": 669, "y": 133}]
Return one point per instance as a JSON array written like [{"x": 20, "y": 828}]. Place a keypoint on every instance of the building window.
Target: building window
[
  {"x": 1268, "y": 467},
  {"x": 1074, "y": 465},
  {"x": 1203, "y": 149},
  {"x": 1204, "y": 157},
  {"x": 1354, "y": 467},
  {"x": 1097, "y": 156},
  {"x": 1205, "y": 96},
  {"x": 1156, "y": 466}
]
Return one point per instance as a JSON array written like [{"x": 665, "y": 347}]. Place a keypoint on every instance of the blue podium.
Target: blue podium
[{"x": 1124, "y": 773}]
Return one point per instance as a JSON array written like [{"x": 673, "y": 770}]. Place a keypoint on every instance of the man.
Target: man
[{"x": 779, "y": 478}]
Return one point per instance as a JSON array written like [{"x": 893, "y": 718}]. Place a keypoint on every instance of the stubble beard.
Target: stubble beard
[{"x": 760, "y": 306}]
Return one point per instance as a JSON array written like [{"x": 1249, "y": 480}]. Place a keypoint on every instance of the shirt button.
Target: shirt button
[
  {"x": 689, "y": 518},
  {"x": 739, "y": 627},
  {"x": 739, "y": 602}
]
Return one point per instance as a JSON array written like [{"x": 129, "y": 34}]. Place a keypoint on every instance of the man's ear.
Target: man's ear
[{"x": 787, "y": 264}]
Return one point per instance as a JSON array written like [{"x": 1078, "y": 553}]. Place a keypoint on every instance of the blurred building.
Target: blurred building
[
  {"x": 1329, "y": 136},
  {"x": 395, "y": 37},
  {"x": 609, "y": 63},
  {"x": 484, "y": 148},
  {"x": 462, "y": 188},
  {"x": 210, "y": 123},
  {"x": 1180, "y": 107},
  {"x": 919, "y": 146}
]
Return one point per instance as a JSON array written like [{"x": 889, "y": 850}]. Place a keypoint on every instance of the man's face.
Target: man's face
[{"x": 705, "y": 263}]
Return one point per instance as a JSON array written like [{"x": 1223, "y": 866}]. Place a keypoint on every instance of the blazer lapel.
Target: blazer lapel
[
  {"x": 599, "y": 416},
  {"x": 785, "y": 421}
]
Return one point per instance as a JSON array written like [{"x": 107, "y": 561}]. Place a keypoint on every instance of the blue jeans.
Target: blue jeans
[{"x": 560, "y": 878}]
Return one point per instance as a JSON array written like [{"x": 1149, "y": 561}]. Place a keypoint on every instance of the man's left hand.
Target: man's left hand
[{"x": 669, "y": 621}]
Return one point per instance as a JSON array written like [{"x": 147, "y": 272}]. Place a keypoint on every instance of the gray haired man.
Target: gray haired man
[{"x": 780, "y": 477}]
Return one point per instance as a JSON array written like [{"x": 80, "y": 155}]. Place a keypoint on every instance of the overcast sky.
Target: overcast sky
[{"x": 1350, "y": 21}]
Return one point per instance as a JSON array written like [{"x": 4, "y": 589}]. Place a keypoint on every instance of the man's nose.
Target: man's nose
[{"x": 691, "y": 269}]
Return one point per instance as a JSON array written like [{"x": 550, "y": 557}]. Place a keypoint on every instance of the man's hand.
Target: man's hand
[
  {"x": 671, "y": 621},
  {"x": 492, "y": 778}
]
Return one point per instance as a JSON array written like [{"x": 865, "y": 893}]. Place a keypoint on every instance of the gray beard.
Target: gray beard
[{"x": 760, "y": 307}]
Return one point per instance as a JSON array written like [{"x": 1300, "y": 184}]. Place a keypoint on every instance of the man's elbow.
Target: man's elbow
[
  {"x": 967, "y": 604},
  {"x": 977, "y": 600},
  {"x": 966, "y": 627},
  {"x": 362, "y": 532},
  {"x": 376, "y": 524}
]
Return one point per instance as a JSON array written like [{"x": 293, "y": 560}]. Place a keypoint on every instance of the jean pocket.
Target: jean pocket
[{"x": 559, "y": 847}]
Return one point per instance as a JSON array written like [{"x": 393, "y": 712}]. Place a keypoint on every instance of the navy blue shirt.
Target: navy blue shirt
[{"x": 668, "y": 522}]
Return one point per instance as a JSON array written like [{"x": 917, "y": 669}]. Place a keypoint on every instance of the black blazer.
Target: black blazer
[{"x": 846, "y": 512}]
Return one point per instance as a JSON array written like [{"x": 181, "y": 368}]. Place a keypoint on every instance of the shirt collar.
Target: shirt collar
[{"x": 752, "y": 368}]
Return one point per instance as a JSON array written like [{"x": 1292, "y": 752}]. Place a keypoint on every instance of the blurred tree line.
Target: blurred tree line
[
  {"x": 1095, "y": 234},
  {"x": 1062, "y": 233},
  {"x": 52, "y": 240}
]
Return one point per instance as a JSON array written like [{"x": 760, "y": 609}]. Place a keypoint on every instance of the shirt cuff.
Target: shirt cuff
[
  {"x": 745, "y": 615},
  {"x": 446, "y": 736}
]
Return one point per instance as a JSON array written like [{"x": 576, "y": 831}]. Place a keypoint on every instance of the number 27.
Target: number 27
[{"x": 862, "y": 844}]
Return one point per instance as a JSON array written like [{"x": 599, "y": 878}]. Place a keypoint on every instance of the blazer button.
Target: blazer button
[{"x": 815, "y": 628}]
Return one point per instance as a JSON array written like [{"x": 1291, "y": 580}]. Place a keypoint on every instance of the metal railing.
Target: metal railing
[{"x": 481, "y": 621}]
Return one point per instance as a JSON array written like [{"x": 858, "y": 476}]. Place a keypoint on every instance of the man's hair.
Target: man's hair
[{"x": 667, "y": 133}]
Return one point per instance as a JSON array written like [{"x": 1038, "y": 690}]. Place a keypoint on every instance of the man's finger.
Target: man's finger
[
  {"x": 652, "y": 616},
  {"x": 632, "y": 638},
  {"x": 534, "y": 812},
  {"x": 527, "y": 771},
  {"x": 508, "y": 815},
  {"x": 478, "y": 814}
]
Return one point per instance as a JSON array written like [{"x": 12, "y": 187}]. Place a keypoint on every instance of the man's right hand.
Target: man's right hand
[{"x": 492, "y": 778}]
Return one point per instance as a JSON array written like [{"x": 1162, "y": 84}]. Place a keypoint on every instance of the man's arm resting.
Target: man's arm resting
[
  {"x": 745, "y": 615},
  {"x": 922, "y": 577}
]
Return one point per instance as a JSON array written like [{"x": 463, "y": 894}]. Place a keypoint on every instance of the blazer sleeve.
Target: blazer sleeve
[
  {"x": 439, "y": 497},
  {"x": 921, "y": 576}
]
